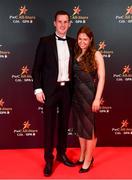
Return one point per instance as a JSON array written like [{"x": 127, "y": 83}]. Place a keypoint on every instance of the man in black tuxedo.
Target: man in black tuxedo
[{"x": 52, "y": 86}]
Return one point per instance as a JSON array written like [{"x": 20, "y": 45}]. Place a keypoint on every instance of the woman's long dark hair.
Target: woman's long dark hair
[{"x": 87, "y": 62}]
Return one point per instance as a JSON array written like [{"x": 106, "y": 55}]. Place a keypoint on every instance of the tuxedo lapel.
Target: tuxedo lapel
[
  {"x": 54, "y": 46},
  {"x": 71, "y": 55},
  {"x": 70, "y": 47}
]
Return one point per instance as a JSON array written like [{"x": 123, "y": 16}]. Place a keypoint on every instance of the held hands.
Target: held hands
[
  {"x": 40, "y": 97},
  {"x": 96, "y": 105}
]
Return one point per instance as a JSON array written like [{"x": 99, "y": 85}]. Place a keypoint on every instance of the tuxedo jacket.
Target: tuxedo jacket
[{"x": 45, "y": 68}]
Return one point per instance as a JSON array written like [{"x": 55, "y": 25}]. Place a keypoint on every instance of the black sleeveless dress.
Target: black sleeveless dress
[{"x": 83, "y": 95}]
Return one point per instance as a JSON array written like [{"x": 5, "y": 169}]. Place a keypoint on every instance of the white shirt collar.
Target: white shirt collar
[{"x": 64, "y": 37}]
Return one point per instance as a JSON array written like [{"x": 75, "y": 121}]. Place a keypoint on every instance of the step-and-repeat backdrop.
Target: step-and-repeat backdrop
[{"x": 22, "y": 23}]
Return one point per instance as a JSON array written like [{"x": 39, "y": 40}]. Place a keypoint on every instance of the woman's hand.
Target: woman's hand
[{"x": 96, "y": 105}]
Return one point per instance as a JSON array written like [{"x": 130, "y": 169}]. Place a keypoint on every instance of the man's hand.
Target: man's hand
[{"x": 40, "y": 97}]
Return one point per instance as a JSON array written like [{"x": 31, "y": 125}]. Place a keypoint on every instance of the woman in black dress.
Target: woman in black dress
[{"x": 89, "y": 78}]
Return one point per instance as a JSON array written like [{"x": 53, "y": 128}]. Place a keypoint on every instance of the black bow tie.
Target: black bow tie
[{"x": 61, "y": 39}]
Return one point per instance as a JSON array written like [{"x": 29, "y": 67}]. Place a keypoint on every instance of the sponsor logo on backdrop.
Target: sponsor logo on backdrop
[
  {"x": 71, "y": 132},
  {"x": 124, "y": 75},
  {"x": 3, "y": 108},
  {"x": 24, "y": 75},
  {"x": 102, "y": 47},
  {"x": 123, "y": 129},
  {"x": 25, "y": 130},
  {"x": 4, "y": 53},
  {"x": 22, "y": 17},
  {"x": 104, "y": 108},
  {"x": 126, "y": 16},
  {"x": 77, "y": 16},
  {"x": 40, "y": 109}
]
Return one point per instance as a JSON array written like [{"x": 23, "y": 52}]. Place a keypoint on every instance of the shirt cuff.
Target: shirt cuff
[{"x": 39, "y": 90}]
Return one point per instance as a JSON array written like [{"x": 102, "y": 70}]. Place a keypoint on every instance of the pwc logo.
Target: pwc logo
[
  {"x": 77, "y": 16},
  {"x": 4, "y": 53},
  {"x": 23, "y": 16},
  {"x": 104, "y": 108},
  {"x": 126, "y": 16},
  {"x": 25, "y": 130},
  {"x": 3, "y": 108},
  {"x": 23, "y": 76},
  {"x": 105, "y": 52},
  {"x": 124, "y": 75},
  {"x": 123, "y": 129}
]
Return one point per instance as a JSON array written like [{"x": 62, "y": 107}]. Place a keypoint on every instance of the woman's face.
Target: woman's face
[{"x": 83, "y": 41}]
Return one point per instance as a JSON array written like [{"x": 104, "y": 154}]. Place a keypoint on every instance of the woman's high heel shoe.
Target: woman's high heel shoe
[
  {"x": 79, "y": 162},
  {"x": 82, "y": 170}
]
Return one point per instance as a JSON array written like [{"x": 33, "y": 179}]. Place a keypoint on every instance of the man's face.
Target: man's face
[{"x": 62, "y": 24}]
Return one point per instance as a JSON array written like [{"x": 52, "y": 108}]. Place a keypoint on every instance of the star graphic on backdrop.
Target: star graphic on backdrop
[
  {"x": 124, "y": 123},
  {"x": 1, "y": 103},
  {"x": 26, "y": 125},
  {"x": 24, "y": 70},
  {"x": 126, "y": 69},
  {"x": 102, "y": 101},
  {"x": 76, "y": 10},
  {"x": 102, "y": 45},
  {"x": 129, "y": 10},
  {"x": 23, "y": 10}
]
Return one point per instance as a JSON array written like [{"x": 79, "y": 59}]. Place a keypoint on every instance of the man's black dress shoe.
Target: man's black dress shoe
[
  {"x": 48, "y": 169},
  {"x": 86, "y": 170},
  {"x": 64, "y": 159}
]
